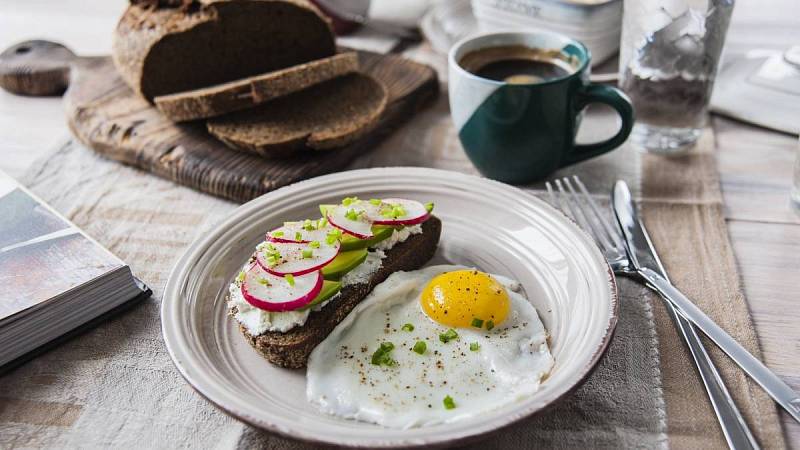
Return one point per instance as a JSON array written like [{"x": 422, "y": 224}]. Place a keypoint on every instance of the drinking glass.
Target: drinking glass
[{"x": 669, "y": 55}]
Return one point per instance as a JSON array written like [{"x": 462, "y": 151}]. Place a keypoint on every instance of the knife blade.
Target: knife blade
[
  {"x": 636, "y": 237},
  {"x": 734, "y": 427},
  {"x": 635, "y": 245}
]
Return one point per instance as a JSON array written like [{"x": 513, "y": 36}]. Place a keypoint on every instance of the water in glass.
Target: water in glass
[{"x": 669, "y": 54}]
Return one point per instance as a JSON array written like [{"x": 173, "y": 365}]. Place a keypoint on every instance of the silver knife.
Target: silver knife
[
  {"x": 637, "y": 245},
  {"x": 734, "y": 427}
]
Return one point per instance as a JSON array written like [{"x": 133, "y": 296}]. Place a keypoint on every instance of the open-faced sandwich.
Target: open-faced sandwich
[{"x": 308, "y": 275}]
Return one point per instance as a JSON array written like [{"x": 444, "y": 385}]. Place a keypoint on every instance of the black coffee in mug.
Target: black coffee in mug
[
  {"x": 517, "y": 98},
  {"x": 517, "y": 64}
]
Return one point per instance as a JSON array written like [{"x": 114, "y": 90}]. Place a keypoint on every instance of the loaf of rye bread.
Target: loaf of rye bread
[
  {"x": 292, "y": 348},
  {"x": 161, "y": 50},
  {"x": 324, "y": 116},
  {"x": 249, "y": 92}
]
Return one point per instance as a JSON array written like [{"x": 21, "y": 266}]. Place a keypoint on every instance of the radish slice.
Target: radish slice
[
  {"x": 352, "y": 219},
  {"x": 289, "y": 232},
  {"x": 291, "y": 258},
  {"x": 413, "y": 212},
  {"x": 273, "y": 293}
]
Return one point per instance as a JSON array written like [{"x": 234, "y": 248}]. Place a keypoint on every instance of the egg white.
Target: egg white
[{"x": 512, "y": 360}]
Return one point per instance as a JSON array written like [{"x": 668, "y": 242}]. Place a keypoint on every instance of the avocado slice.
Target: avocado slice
[
  {"x": 329, "y": 289},
  {"x": 379, "y": 233},
  {"x": 343, "y": 263}
]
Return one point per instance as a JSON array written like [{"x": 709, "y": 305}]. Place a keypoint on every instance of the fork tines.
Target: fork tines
[{"x": 584, "y": 210}]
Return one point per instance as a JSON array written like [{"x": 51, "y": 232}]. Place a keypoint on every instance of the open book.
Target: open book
[{"x": 55, "y": 281}]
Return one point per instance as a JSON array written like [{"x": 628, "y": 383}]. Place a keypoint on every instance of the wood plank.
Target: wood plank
[
  {"x": 31, "y": 127},
  {"x": 755, "y": 168},
  {"x": 29, "y": 130},
  {"x": 768, "y": 257},
  {"x": 762, "y": 24}
]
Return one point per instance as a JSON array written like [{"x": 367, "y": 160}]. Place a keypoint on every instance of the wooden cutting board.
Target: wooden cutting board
[{"x": 107, "y": 116}]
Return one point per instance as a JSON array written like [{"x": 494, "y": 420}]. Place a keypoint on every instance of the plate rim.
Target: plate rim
[{"x": 204, "y": 239}]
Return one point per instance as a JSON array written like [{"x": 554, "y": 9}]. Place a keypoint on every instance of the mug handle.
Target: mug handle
[{"x": 613, "y": 97}]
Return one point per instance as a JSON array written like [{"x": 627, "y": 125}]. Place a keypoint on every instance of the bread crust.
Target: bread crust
[
  {"x": 249, "y": 92},
  {"x": 142, "y": 28},
  {"x": 292, "y": 348}
]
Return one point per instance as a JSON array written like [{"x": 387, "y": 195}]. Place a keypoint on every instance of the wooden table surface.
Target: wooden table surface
[{"x": 755, "y": 165}]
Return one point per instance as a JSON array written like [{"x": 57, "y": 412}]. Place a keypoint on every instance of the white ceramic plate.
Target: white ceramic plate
[{"x": 495, "y": 227}]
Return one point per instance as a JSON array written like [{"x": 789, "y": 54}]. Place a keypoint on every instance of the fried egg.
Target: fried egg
[{"x": 431, "y": 346}]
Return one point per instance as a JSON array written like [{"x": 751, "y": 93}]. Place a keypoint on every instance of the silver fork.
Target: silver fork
[{"x": 585, "y": 211}]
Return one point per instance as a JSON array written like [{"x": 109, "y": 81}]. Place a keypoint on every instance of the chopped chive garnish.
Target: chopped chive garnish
[
  {"x": 264, "y": 281},
  {"x": 477, "y": 323},
  {"x": 240, "y": 277},
  {"x": 448, "y": 336},
  {"x": 277, "y": 233},
  {"x": 448, "y": 402},
  {"x": 333, "y": 236},
  {"x": 474, "y": 346},
  {"x": 298, "y": 236},
  {"x": 420, "y": 347},
  {"x": 393, "y": 211},
  {"x": 489, "y": 325},
  {"x": 322, "y": 223},
  {"x": 375, "y": 201},
  {"x": 273, "y": 255},
  {"x": 429, "y": 206},
  {"x": 308, "y": 225},
  {"x": 352, "y": 214},
  {"x": 308, "y": 253},
  {"x": 407, "y": 327},
  {"x": 382, "y": 356},
  {"x": 290, "y": 279},
  {"x": 313, "y": 244},
  {"x": 349, "y": 201}
]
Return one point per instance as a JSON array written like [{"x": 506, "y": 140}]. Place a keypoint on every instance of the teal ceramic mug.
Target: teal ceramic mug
[{"x": 519, "y": 132}]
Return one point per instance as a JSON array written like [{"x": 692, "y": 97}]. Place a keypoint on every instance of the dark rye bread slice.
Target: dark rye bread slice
[
  {"x": 328, "y": 115},
  {"x": 291, "y": 349},
  {"x": 163, "y": 50},
  {"x": 249, "y": 92}
]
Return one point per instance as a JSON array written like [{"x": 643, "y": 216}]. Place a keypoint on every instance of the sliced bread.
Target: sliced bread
[
  {"x": 163, "y": 50},
  {"x": 292, "y": 348},
  {"x": 328, "y": 115},
  {"x": 249, "y": 92}
]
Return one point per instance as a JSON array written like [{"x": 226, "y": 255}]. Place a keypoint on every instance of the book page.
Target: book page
[{"x": 41, "y": 254}]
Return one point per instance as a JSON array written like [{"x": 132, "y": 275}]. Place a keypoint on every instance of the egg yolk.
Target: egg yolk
[{"x": 465, "y": 298}]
